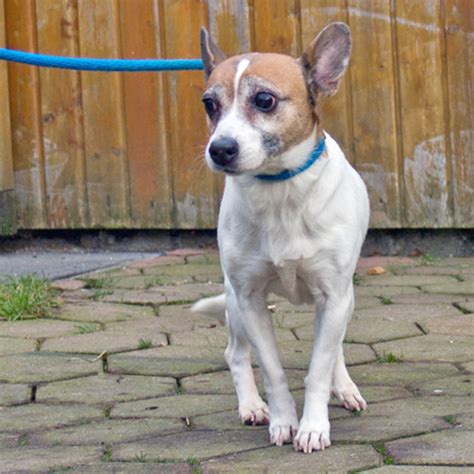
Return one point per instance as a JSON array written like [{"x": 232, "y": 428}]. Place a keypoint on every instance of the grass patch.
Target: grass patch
[
  {"x": 144, "y": 344},
  {"x": 356, "y": 279},
  {"x": 389, "y": 358},
  {"x": 428, "y": 259},
  {"x": 459, "y": 278},
  {"x": 155, "y": 280},
  {"x": 97, "y": 283},
  {"x": 195, "y": 464},
  {"x": 24, "y": 440},
  {"x": 386, "y": 300},
  {"x": 450, "y": 419},
  {"x": 140, "y": 457},
  {"x": 99, "y": 294},
  {"x": 26, "y": 297},
  {"x": 86, "y": 328},
  {"x": 381, "y": 449},
  {"x": 107, "y": 454}
]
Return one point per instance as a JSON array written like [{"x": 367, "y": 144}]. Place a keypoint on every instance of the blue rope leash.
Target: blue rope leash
[{"x": 91, "y": 64}]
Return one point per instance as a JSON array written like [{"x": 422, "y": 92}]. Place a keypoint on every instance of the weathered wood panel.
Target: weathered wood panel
[
  {"x": 27, "y": 133},
  {"x": 195, "y": 188},
  {"x": 459, "y": 34},
  {"x": 426, "y": 170},
  {"x": 7, "y": 206},
  {"x": 104, "y": 119},
  {"x": 94, "y": 150},
  {"x": 372, "y": 77},
  {"x": 61, "y": 118},
  {"x": 146, "y": 133}
]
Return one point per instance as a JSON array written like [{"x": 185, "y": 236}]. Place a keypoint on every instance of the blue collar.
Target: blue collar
[{"x": 287, "y": 174}]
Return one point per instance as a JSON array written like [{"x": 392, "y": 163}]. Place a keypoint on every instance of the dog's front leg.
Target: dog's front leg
[
  {"x": 330, "y": 325},
  {"x": 250, "y": 313}
]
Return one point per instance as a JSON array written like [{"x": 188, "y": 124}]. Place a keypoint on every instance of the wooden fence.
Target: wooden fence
[{"x": 109, "y": 150}]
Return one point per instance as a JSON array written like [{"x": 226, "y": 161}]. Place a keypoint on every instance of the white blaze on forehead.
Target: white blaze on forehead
[{"x": 241, "y": 67}]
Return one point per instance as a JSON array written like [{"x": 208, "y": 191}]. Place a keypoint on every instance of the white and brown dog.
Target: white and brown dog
[{"x": 292, "y": 221}]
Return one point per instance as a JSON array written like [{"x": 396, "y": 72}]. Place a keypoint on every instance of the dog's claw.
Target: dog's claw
[
  {"x": 256, "y": 416},
  {"x": 282, "y": 434},
  {"x": 350, "y": 398},
  {"x": 313, "y": 440}
]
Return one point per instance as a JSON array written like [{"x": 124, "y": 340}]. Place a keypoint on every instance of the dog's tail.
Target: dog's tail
[{"x": 213, "y": 306}]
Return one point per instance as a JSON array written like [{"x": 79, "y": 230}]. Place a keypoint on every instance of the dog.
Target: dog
[{"x": 292, "y": 221}]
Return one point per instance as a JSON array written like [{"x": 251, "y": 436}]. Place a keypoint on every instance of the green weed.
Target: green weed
[
  {"x": 389, "y": 358},
  {"x": 356, "y": 279},
  {"x": 99, "y": 294},
  {"x": 26, "y": 297},
  {"x": 107, "y": 454},
  {"x": 386, "y": 300},
  {"x": 140, "y": 457},
  {"x": 99, "y": 283},
  {"x": 380, "y": 448},
  {"x": 144, "y": 344},
  {"x": 86, "y": 328}
]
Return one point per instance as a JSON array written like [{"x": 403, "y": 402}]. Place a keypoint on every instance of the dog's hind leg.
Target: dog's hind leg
[
  {"x": 344, "y": 389},
  {"x": 252, "y": 409}
]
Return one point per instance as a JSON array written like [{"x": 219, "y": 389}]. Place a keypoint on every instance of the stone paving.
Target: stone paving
[{"x": 123, "y": 378}]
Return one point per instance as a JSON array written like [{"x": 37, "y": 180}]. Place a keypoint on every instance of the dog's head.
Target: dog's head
[{"x": 261, "y": 106}]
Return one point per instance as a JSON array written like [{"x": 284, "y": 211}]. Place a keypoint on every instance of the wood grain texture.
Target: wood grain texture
[
  {"x": 146, "y": 126},
  {"x": 277, "y": 26},
  {"x": 459, "y": 33},
  {"x": 102, "y": 150},
  {"x": 61, "y": 117},
  {"x": 25, "y": 112},
  {"x": 372, "y": 77},
  {"x": 6, "y": 157},
  {"x": 104, "y": 118},
  {"x": 425, "y": 164},
  {"x": 195, "y": 188}
]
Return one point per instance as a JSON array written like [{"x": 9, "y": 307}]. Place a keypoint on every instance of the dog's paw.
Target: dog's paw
[
  {"x": 254, "y": 414},
  {"x": 282, "y": 433},
  {"x": 349, "y": 397},
  {"x": 312, "y": 437}
]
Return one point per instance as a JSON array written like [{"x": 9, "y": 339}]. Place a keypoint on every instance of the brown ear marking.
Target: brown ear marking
[
  {"x": 325, "y": 59},
  {"x": 210, "y": 53}
]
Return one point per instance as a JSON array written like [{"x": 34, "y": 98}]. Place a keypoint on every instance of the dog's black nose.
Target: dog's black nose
[{"x": 223, "y": 151}]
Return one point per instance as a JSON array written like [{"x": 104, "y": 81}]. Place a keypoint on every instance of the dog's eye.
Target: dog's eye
[
  {"x": 265, "y": 102},
  {"x": 210, "y": 106}
]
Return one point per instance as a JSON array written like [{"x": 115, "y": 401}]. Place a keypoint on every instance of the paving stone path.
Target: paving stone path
[{"x": 123, "y": 378}]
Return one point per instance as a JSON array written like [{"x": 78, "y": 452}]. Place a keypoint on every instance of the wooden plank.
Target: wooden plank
[
  {"x": 7, "y": 201},
  {"x": 146, "y": 134},
  {"x": 425, "y": 166},
  {"x": 6, "y": 163},
  {"x": 374, "y": 108},
  {"x": 195, "y": 195},
  {"x": 335, "y": 112},
  {"x": 277, "y": 26},
  {"x": 25, "y": 112},
  {"x": 459, "y": 30},
  {"x": 229, "y": 25},
  {"x": 61, "y": 113},
  {"x": 104, "y": 126}
]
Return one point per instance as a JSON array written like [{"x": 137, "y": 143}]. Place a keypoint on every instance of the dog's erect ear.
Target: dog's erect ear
[
  {"x": 326, "y": 58},
  {"x": 210, "y": 53}
]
